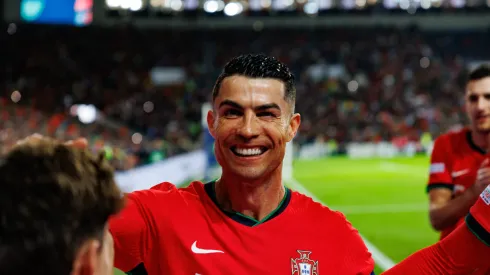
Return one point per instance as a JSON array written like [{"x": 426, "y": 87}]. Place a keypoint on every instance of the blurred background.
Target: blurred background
[{"x": 377, "y": 82}]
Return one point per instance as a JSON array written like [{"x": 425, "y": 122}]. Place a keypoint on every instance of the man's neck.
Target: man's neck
[
  {"x": 480, "y": 139},
  {"x": 253, "y": 199}
]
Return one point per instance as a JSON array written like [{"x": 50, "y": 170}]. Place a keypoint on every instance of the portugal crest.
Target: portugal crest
[{"x": 304, "y": 265}]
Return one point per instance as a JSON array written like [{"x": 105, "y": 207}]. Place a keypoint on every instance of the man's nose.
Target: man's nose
[
  {"x": 482, "y": 103},
  {"x": 249, "y": 126}
]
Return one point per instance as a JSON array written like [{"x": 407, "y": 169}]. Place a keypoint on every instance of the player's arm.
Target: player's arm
[
  {"x": 459, "y": 253},
  {"x": 129, "y": 230},
  {"x": 462, "y": 252},
  {"x": 443, "y": 210},
  {"x": 132, "y": 228}
]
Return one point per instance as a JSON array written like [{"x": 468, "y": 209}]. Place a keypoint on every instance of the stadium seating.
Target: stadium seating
[{"x": 378, "y": 84}]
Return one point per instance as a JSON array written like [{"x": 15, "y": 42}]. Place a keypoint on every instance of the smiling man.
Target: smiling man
[{"x": 247, "y": 221}]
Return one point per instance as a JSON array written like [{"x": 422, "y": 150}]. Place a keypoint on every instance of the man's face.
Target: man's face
[
  {"x": 251, "y": 122},
  {"x": 478, "y": 104}
]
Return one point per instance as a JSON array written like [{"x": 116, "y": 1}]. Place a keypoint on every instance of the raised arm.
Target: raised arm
[
  {"x": 464, "y": 251},
  {"x": 129, "y": 231}
]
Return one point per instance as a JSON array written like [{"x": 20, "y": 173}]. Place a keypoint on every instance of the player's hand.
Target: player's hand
[
  {"x": 81, "y": 143},
  {"x": 482, "y": 177},
  {"x": 483, "y": 174}
]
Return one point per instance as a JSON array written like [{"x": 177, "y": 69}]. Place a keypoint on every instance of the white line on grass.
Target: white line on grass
[
  {"x": 388, "y": 166},
  {"x": 381, "y": 208},
  {"x": 379, "y": 257}
]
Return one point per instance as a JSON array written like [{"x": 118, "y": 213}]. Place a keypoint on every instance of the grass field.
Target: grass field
[{"x": 384, "y": 199}]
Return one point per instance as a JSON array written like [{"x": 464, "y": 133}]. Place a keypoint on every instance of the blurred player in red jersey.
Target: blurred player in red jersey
[
  {"x": 247, "y": 222},
  {"x": 55, "y": 203},
  {"x": 459, "y": 166}
]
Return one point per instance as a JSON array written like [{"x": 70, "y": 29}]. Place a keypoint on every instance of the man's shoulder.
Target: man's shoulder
[
  {"x": 164, "y": 186},
  {"x": 328, "y": 224},
  {"x": 169, "y": 189},
  {"x": 453, "y": 136},
  {"x": 317, "y": 210}
]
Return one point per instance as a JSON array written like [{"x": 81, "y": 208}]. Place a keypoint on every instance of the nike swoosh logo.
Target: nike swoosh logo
[
  {"x": 459, "y": 173},
  {"x": 198, "y": 250}
]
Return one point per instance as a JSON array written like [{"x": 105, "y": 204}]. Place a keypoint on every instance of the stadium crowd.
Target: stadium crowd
[{"x": 378, "y": 84}]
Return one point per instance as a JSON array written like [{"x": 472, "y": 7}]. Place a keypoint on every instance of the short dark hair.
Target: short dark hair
[
  {"x": 259, "y": 66},
  {"x": 53, "y": 198},
  {"x": 478, "y": 73}
]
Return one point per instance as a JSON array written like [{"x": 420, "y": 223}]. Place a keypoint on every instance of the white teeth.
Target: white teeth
[{"x": 248, "y": 151}]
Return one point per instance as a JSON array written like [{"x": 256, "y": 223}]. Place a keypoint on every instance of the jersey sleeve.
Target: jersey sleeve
[
  {"x": 478, "y": 220},
  {"x": 440, "y": 165},
  {"x": 132, "y": 229},
  {"x": 459, "y": 253}
]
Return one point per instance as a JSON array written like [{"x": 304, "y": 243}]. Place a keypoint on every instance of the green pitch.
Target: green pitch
[{"x": 384, "y": 199}]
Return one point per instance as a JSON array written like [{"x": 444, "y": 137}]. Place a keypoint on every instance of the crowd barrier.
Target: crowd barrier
[{"x": 177, "y": 170}]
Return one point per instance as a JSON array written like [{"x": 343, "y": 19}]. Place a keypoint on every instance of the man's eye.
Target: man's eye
[
  {"x": 232, "y": 112},
  {"x": 265, "y": 114}
]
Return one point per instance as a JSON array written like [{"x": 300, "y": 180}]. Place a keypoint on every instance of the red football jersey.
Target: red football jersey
[
  {"x": 454, "y": 164},
  {"x": 183, "y": 231}
]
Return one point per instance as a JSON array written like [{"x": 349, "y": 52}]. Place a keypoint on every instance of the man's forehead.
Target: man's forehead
[
  {"x": 256, "y": 89},
  {"x": 480, "y": 86},
  {"x": 251, "y": 83}
]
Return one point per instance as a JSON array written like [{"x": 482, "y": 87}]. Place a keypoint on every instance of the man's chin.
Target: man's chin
[{"x": 248, "y": 173}]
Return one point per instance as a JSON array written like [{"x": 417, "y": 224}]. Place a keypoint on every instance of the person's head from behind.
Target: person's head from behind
[
  {"x": 253, "y": 116},
  {"x": 477, "y": 99},
  {"x": 55, "y": 202}
]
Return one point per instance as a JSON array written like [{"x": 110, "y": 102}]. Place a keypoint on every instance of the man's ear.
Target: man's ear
[
  {"x": 211, "y": 120},
  {"x": 293, "y": 127},
  {"x": 86, "y": 258}
]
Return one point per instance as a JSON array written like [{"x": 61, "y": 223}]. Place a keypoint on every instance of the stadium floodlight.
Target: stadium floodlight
[
  {"x": 125, "y": 4},
  {"x": 86, "y": 113},
  {"x": 458, "y": 3},
  {"x": 137, "y": 138},
  {"x": 425, "y": 4},
  {"x": 113, "y": 4},
  {"x": 148, "y": 107},
  {"x": 177, "y": 5},
  {"x": 233, "y": 8},
  {"x": 424, "y": 62},
  {"x": 265, "y": 4},
  {"x": 352, "y": 86},
  {"x": 156, "y": 3},
  {"x": 15, "y": 96},
  {"x": 404, "y": 4},
  {"x": 211, "y": 6},
  {"x": 310, "y": 8},
  {"x": 136, "y": 5},
  {"x": 361, "y": 3}
]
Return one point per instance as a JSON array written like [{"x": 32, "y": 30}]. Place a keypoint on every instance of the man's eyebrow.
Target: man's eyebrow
[
  {"x": 230, "y": 103},
  {"x": 268, "y": 106},
  {"x": 263, "y": 107}
]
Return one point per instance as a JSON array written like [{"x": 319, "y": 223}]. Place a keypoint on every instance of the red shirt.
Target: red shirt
[
  {"x": 454, "y": 164},
  {"x": 183, "y": 231}
]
